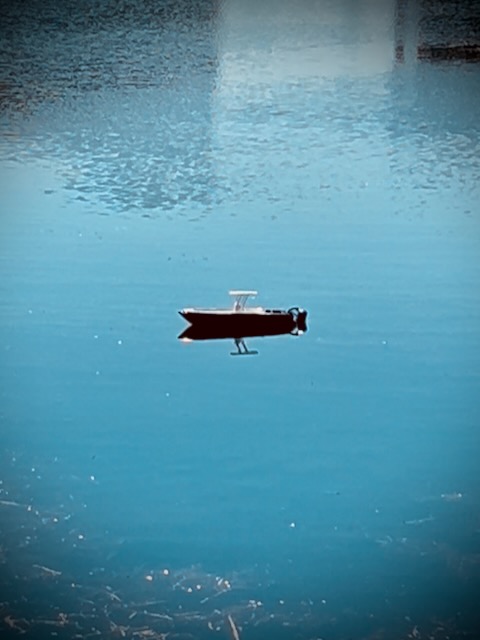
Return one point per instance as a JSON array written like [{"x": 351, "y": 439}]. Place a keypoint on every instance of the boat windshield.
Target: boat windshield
[{"x": 241, "y": 298}]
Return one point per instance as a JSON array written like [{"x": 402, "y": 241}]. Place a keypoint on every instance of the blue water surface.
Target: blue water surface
[{"x": 154, "y": 156}]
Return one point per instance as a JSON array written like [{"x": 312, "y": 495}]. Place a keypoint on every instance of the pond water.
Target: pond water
[{"x": 154, "y": 156}]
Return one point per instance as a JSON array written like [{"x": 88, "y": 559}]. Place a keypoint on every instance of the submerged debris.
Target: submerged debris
[
  {"x": 53, "y": 587},
  {"x": 233, "y": 629},
  {"x": 455, "y": 496},
  {"x": 47, "y": 571}
]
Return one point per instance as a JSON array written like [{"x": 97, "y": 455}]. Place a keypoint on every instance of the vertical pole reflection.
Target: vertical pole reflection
[{"x": 406, "y": 28}]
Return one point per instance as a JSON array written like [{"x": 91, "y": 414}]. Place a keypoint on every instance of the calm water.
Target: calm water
[{"x": 155, "y": 155}]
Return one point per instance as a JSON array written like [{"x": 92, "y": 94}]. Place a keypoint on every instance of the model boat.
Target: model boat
[{"x": 241, "y": 321}]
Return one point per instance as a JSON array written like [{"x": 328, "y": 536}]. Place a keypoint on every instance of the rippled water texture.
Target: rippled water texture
[{"x": 154, "y": 155}]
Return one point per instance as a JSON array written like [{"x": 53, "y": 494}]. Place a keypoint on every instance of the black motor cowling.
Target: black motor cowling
[{"x": 300, "y": 318}]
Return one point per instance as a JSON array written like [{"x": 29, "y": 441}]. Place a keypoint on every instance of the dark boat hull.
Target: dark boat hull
[{"x": 214, "y": 325}]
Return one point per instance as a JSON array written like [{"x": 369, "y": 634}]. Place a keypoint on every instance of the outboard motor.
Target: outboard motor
[
  {"x": 299, "y": 318},
  {"x": 302, "y": 320}
]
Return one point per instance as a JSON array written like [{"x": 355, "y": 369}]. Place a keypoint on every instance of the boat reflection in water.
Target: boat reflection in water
[{"x": 240, "y": 322}]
